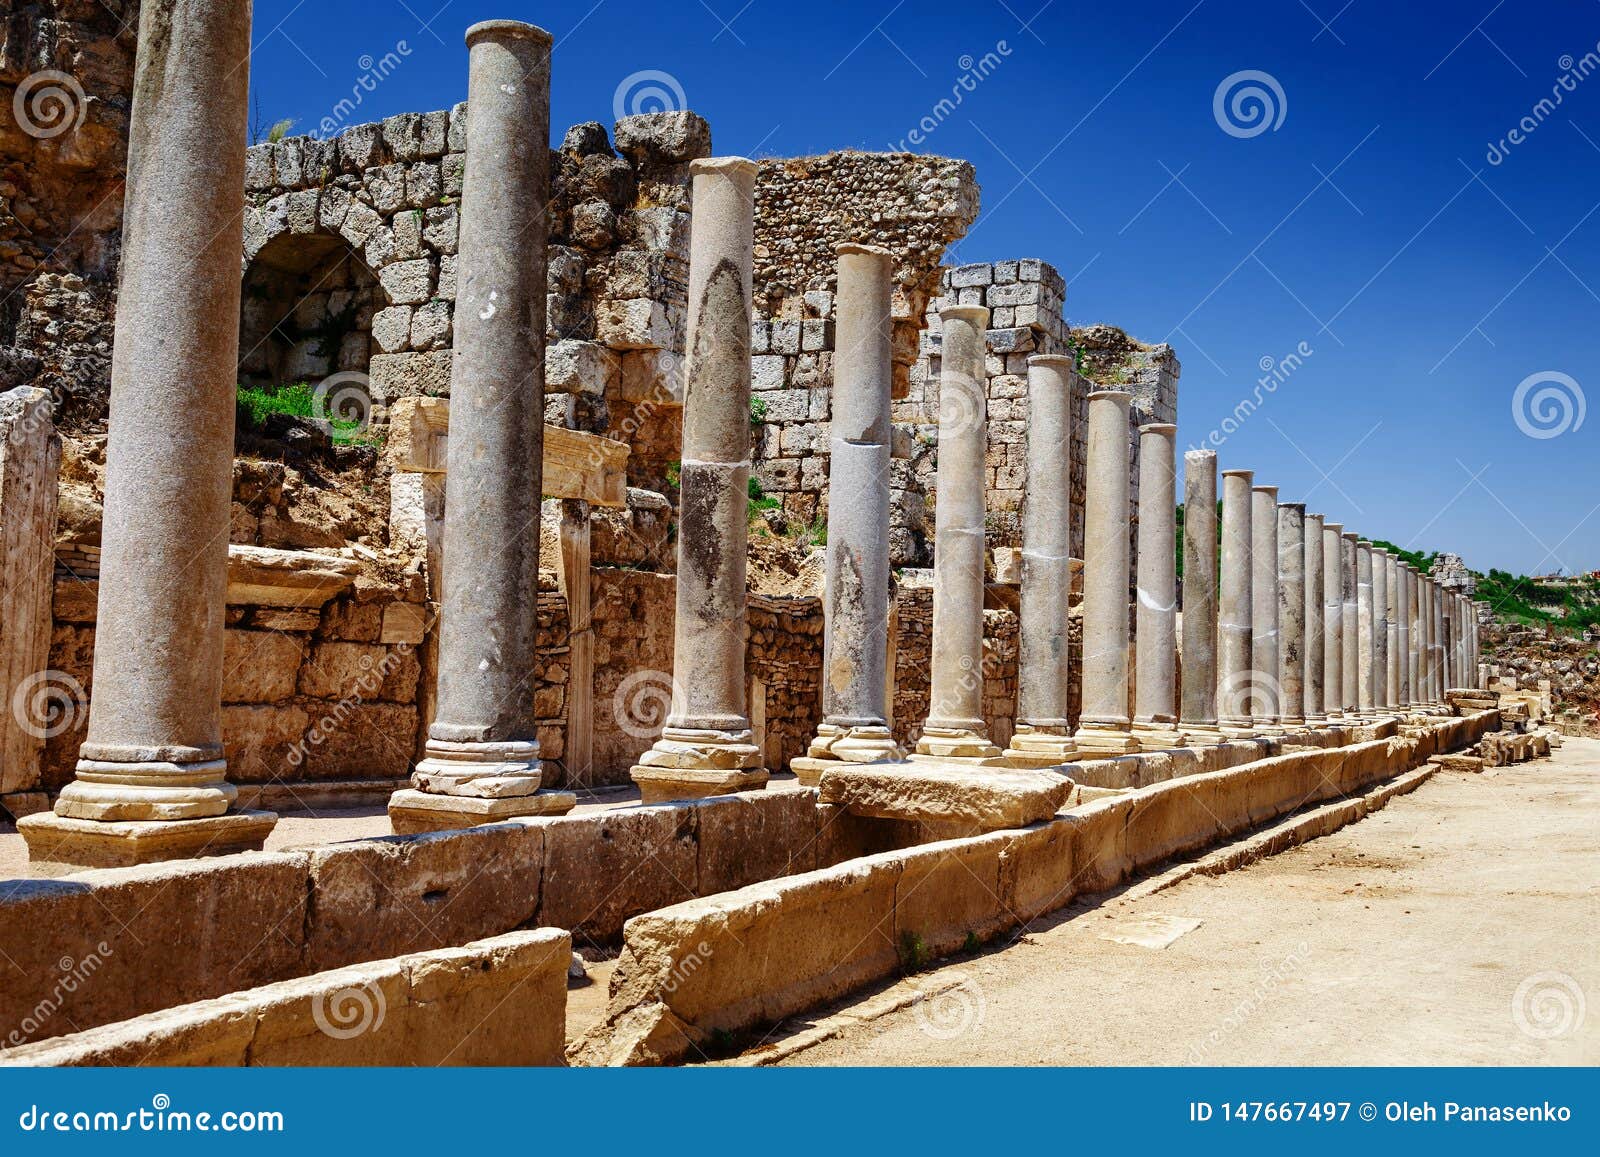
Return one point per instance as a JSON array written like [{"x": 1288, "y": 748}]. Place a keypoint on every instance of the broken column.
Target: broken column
[
  {"x": 1104, "y": 724},
  {"x": 1234, "y": 625},
  {"x": 1043, "y": 736},
  {"x": 707, "y": 746},
  {"x": 1198, "y": 706},
  {"x": 1155, "y": 715},
  {"x": 1315, "y": 711},
  {"x": 482, "y": 753},
  {"x": 1333, "y": 624},
  {"x": 854, "y": 726},
  {"x": 1291, "y": 594},
  {"x": 1366, "y": 655},
  {"x": 1351, "y": 619},
  {"x": 151, "y": 779},
  {"x": 1266, "y": 694},
  {"x": 1391, "y": 651},
  {"x": 1380, "y": 628},
  {"x": 955, "y": 726}
]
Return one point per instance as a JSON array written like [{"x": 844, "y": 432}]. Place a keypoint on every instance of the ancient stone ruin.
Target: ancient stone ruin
[{"x": 674, "y": 540}]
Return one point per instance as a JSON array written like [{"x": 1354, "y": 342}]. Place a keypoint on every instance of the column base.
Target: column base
[
  {"x": 837, "y": 746},
  {"x": 1105, "y": 739},
  {"x": 61, "y": 844},
  {"x": 413, "y": 812},
  {"x": 666, "y": 784},
  {"x": 156, "y": 790},
  {"x": 505, "y": 769},
  {"x": 1159, "y": 736},
  {"x": 956, "y": 743},
  {"x": 1033, "y": 748}
]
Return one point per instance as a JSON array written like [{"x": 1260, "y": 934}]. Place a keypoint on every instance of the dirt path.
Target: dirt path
[{"x": 1460, "y": 925}]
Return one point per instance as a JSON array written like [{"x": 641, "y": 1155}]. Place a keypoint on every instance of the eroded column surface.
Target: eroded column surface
[
  {"x": 1155, "y": 715},
  {"x": 1234, "y": 620},
  {"x": 1198, "y": 707},
  {"x": 1366, "y": 654},
  {"x": 154, "y": 750},
  {"x": 707, "y": 747},
  {"x": 855, "y": 678},
  {"x": 955, "y": 726},
  {"x": 1104, "y": 723},
  {"x": 482, "y": 754},
  {"x": 1402, "y": 623},
  {"x": 1391, "y": 650},
  {"x": 1316, "y": 629},
  {"x": 1265, "y": 692},
  {"x": 1291, "y": 593},
  {"x": 1044, "y": 736},
  {"x": 1380, "y": 628},
  {"x": 1437, "y": 595},
  {"x": 1333, "y": 622},
  {"x": 1419, "y": 641},
  {"x": 1351, "y": 630},
  {"x": 1425, "y": 593}
]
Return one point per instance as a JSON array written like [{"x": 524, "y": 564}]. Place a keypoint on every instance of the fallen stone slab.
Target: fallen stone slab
[
  {"x": 1470, "y": 763},
  {"x": 976, "y": 798},
  {"x": 265, "y": 576}
]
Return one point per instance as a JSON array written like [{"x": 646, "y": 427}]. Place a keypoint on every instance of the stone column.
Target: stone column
[
  {"x": 1266, "y": 693},
  {"x": 855, "y": 675},
  {"x": 1391, "y": 651},
  {"x": 1043, "y": 736},
  {"x": 1425, "y": 589},
  {"x": 1419, "y": 641},
  {"x": 1366, "y": 654},
  {"x": 151, "y": 777},
  {"x": 1291, "y": 595},
  {"x": 955, "y": 726},
  {"x": 1439, "y": 640},
  {"x": 1198, "y": 714},
  {"x": 1333, "y": 622},
  {"x": 708, "y": 747},
  {"x": 482, "y": 755},
  {"x": 1155, "y": 714},
  {"x": 1104, "y": 725},
  {"x": 1351, "y": 629},
  {"x": 1403, "y": 633},
  {"x": 1316, "y": 629},
  {"x": 1380, "y": 628},
  {"x": 1234, "y": 625}
]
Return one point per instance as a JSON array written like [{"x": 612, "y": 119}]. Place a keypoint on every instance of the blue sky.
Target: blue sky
[{"x": 1367, "y": 225}]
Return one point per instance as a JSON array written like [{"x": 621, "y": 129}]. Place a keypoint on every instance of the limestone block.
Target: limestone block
[
  {"x": 610, "y": 846},
  {"x": 407, "y": 230},
  {"x": 1100, "y": 842},
  {"x": 766, "y": 372},
  {"x": 443, "y": 225},
  {"x": 580, "y": 367},
  {"x": 361, "y": 671},
  {"x": 430, "y": 326},
  {"x": 672, "y": 137},
  {"x": 985, "y": 798},
  {"x": 360, "y": 147},
  {"x": 404, "y": 623},
  {"x": 424, "y": 185},
  {"x": 351, "y": 740},
  {"x": 259, "y": 666},
  {"x": 391, "y": 328},
  {"x": 408, "y": 375},
  {"x": 744, "y": 839},
  {"x": 433, "y": 129},
  {"x": 265, "y": 576},
  {"x": 262, "y": 743},
  {"x": 407, "y": 282},
  {"x": 949, "y": 891},
  {"x": 258, "y": 175},
  {"x": 633, "y": 323},
  {"x": 1038, "y": 868},
  {"x": 964, "y": 276}
]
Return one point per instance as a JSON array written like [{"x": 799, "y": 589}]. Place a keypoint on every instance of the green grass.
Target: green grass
[{"x": 298, "y": 400}]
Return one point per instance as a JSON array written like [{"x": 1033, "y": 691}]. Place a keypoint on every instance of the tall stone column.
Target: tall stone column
[
  {"x": 1391, "y": 651},
  {"x": 1291, "y": 595},
  {"x": 1103, "y": 726},
  {"x": 1439, "y": 640},
  {"x": 1366, "y": 620},
  {"x": 1198, "y": 707},
  {"x": 1155, "y": 714},
  {"x": 1380, "y": 628},
  {"x": 708, "y": 747},
  {"x": 1349, "y": 592},
  {"x": 1425, "y": 587},
  {"x": 151, "y": 777},
  {"x": 1316, "y": 629},
  {"x": 1266, "y": 693},
  {"x": 482, "y": 754},
  {"x": 1403, "y": 633},
  {"x": 1043, "y": 736},
  {"x": 1333, "y": 622},
  {"x": 1419, "y": 641},
  {"x": 1235, "y": 617},
  {"x": 855, "y": 674},
  {"x": 955, "y": 726}
]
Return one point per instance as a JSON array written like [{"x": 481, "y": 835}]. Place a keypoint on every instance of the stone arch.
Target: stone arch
[{"x": 307, "y": 310}]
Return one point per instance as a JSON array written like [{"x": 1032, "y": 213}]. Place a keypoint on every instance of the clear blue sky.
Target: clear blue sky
[{"x": 1368, "y": 224}]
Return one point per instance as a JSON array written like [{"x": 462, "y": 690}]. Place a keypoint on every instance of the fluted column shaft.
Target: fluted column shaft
[
  {"x": 1235, "y": 627},
  {"x": 1199, "y": 695},
  {"x": 1291, "y": 594}
]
